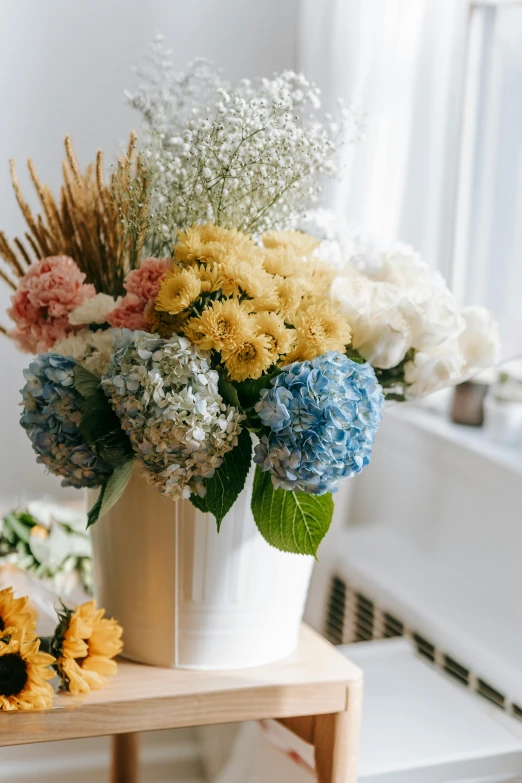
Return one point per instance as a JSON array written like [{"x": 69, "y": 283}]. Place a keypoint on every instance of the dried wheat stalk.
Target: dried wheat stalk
[{"x": 101, "y": 226}]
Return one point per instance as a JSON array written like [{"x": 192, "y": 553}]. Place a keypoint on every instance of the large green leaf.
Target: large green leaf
[
  {"x": 84, "y": 381},
  {"x": 110, "y": 492},
  {"x": 102, "y": 430},
  {"x": 228, "y": 480},
  {"x": 290, "y": 521}
]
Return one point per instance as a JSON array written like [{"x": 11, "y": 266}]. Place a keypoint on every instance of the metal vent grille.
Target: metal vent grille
[{"x": 352, "y": 616}]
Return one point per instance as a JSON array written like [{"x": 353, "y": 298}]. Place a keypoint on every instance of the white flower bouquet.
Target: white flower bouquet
[{"x": 190, "y": 301}]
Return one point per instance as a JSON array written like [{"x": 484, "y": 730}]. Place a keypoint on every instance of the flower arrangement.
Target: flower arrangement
[
  {"x": 83, "y": 648},
  {"x": 48, "y": 542},
  {"x": 187, "y": 323}
]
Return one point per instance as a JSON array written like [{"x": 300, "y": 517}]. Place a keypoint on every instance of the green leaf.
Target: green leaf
[
  {"x": 85, "y": 382},
  {"x": 228, "y": 480},
  {"x": 248, "y": 391},
  {"x": 18, "y": 527},
  {"x": 228, "y": 392},
  {"x": 101, "y": 428},
  {"x": 110, "y": 492},
  {"x": 290, "y": 521}
]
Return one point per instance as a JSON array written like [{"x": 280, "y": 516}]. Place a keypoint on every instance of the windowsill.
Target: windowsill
[{"x": 473, "y": 439}]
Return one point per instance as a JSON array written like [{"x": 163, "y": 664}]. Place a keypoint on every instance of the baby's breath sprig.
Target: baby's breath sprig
[{"x": 247, "y": 156}]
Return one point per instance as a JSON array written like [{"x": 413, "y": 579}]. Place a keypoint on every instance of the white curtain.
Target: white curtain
[{"x": 401, "y": 63}]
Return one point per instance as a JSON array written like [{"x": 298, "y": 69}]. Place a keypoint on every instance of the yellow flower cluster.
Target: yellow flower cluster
[
  {"x": 24, "y": 669},
  {"x": 84, "y": 645},
  {"x": 256, "y": 305},
  {"x": 87, "y": 643}
]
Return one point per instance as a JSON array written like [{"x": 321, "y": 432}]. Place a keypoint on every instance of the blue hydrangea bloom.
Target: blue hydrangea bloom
[
  {"x": 51, "y": 417},
  {"x": 322, "y": 417}
]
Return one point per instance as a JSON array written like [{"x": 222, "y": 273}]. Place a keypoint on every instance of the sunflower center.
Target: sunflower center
[{"x": 13, "y": 674}]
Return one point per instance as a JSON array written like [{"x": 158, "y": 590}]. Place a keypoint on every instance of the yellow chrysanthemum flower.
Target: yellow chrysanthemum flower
[
  {"x": 300, "y": 243},
  {"x": 320, "y": 328},
  {"x": 210, "y": 276},
  {"x": 319, "y": 277},
  {"x": 290, "y": 292},
  {"x": 282, "y": 261},
  {"x": 23, "y": 672},
  {"x": 241, "y": 277},
  {"x": 15, "y": 612},
  {"x": 212, "y": 243},
  {"x": 280, "y": 338},
  {"x": 250, "y": 359},
  {"x": 178, "y": 291},
  {"x": 86, "y": 643},
  {"x": 223, "y": 325},
  {"x": 164, "y": 324}
]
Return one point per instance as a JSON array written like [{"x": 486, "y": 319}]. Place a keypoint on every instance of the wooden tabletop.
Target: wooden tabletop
[{"x": 312, "y": 681}]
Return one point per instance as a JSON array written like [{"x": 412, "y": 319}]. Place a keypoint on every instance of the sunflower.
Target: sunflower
[
  {"x": 249, "y": 359},
  {"x": 320, "y": 328},
  {"x": 273, "y": 327},
  {"x": 23, "y": 672},
  {"x": 178, "y": 290},
  {"x": 223, "y": 325},
  {"x": 85, "y": 643},
  {"x": 15, "y": 612}
]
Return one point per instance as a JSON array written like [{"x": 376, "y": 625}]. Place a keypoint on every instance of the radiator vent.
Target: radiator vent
[
  {"x": 353, "y": 616},
  {"x": 334, "y": 627}
]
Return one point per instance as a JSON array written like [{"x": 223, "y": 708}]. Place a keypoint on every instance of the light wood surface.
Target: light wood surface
[{"x": 315, "y": 680}]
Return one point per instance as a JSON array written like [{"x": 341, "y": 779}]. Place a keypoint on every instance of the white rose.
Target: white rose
[
  {"x": 94, "y": 310},
  {"x": 432, "y": 370},
  {"x": 402, "y": 266},
  {"x": 437, "y": 317},
  {"x": 479, "y": 342},
  {"x": 380, "y": 318}
]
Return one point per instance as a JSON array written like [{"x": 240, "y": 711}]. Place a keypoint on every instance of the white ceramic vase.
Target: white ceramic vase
[{"x": 190, "y": 597}]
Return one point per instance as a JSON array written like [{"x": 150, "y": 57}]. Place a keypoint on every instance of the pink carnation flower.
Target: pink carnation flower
[
  {"x": 129, "y": 314},
  {"x": 50, "y": 290},
  {"x": 145, "y": 282}
]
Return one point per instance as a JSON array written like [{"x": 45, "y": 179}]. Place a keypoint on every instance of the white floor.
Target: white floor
[{"x": 166, "y": 757}]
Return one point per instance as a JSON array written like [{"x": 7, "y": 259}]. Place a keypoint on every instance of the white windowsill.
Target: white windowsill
[{"x": 474, "y": 439}]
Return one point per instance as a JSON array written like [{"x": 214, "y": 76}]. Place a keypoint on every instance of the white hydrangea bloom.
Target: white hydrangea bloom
[
  {"x": 94, "y": 310},
  {"x": 167, "y": 398},
  {"x": 90, "y": 349}
]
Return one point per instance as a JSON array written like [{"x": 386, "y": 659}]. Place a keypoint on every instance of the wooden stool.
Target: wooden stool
[{"x": 316, "y": 693}]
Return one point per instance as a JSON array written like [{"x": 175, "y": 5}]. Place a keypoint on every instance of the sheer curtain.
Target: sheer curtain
[{"x": 401, "y": 63}]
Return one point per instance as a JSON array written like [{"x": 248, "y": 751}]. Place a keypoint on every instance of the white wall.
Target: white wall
[{"x": 63, "y": 68}]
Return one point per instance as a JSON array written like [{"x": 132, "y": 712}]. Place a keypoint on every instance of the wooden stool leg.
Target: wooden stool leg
[
  {"x": 336, "y": 740},
  {"x": 125, "y": 758}
]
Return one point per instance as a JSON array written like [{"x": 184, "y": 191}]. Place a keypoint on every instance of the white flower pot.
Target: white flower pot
[{"x": 189, "y": 597}]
